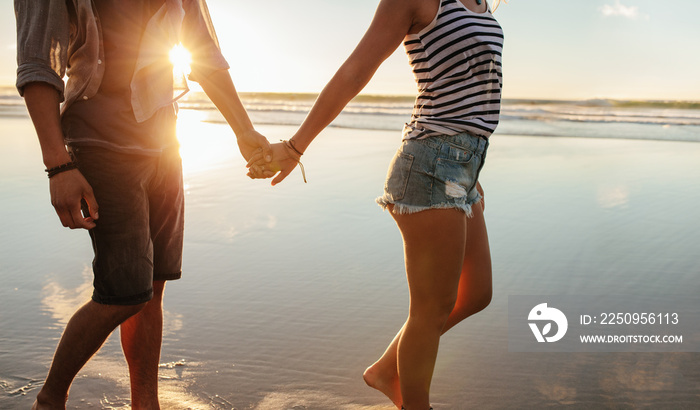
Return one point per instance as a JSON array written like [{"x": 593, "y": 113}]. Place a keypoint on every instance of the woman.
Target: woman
[{"x": 454, "y": 48}]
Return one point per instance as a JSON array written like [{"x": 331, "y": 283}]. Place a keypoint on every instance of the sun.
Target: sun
[{"x": 181, "y": 59}]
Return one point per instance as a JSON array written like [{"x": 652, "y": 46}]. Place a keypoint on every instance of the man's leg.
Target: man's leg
[
  {"x": 85, "y": 333},
  {"x": 141, "y": 337}
]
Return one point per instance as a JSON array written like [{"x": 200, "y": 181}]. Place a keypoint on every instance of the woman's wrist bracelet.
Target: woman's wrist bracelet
[
  {"x": 296, "y": 155},
  {"x": 52, "y": 172},
  {"x": 291, "y": 143}
]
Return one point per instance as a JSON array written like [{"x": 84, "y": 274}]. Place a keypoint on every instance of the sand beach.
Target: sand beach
[{"x": 289, "y": 292}]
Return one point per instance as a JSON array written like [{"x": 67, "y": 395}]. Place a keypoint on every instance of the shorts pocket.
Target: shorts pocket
[
  {"x": 458, "y": 177},
  {"x": 398, "y": 175},
  {"x": 455, "y": 153}
]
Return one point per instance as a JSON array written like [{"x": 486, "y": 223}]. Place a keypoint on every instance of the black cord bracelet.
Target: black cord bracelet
[
  {"x": 61, "y": 168},
  {"x": 291, "y": 150},
  {"x": 291, "y": 143}
]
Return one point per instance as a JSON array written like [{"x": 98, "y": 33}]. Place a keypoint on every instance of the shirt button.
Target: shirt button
[
  {"x": 99, "y": 61},
  {"x": 85, "y": 97}
]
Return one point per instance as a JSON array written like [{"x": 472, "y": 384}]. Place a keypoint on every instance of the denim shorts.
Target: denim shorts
[
  {"x": 139, "y": 234},
  {"x": 435, "y": 173}
]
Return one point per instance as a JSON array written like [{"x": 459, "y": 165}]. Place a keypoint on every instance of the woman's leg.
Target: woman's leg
[
  {"x": 433, "y": 251},
  {"x": 474, "y": 294},
  {"x": 475, "y": 288}
]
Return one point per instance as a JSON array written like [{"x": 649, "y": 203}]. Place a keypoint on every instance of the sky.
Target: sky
[{"x": 554, "y": 49}]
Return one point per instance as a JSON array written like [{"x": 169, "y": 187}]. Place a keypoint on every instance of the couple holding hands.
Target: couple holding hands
[{"x": 112, "y": 159}]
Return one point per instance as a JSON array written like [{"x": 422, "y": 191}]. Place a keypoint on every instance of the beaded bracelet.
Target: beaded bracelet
[{"x": 61, "y": 168}]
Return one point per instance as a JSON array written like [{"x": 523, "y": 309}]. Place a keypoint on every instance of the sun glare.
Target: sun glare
[
  {"x": 202, "y": 154},
  {"x": 181, "y": 59}
]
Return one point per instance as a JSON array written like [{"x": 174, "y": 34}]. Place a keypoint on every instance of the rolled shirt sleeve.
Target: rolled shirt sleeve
[
  {"x": 43, "y": 34},
  {"x": 199, "y": 38}
]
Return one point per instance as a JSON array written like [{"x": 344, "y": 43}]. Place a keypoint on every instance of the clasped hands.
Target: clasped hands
[
  {"x": 284, "y": 158},
  {"x": 266, "y": 160}
]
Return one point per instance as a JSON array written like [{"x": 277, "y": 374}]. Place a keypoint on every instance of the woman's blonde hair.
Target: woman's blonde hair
[{"x": 496, "y": 4}]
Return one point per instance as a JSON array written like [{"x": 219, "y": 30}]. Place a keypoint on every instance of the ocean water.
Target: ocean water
[
  {"x": 618, "y": 119},
  {"x": 290, "y": 292},
  {"x": 647, "y": 120}
]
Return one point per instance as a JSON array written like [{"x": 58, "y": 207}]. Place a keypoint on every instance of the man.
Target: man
[{"x": 112, "y": 145}]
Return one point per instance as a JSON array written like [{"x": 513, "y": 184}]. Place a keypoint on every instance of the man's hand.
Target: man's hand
[
  {"x": 67, "y": 190},
  {"x": 283, "y": 161},
  {"x": 70, "y": 187},
  {"x": 249, "y": 142},
  {"x": 253, "y": 144},
  {"x": 220, "y": 89}
]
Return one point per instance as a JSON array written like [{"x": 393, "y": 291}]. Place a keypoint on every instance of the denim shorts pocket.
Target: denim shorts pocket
[
  {"x": 397, "y": 178},
  {"x": 455, "y": 153},
  {"x": 457, "y": 177}
]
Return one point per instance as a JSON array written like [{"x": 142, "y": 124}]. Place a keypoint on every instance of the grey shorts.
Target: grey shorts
[
  {"x": 435, "y": 172},
  {"x": 139, "y": 234}
]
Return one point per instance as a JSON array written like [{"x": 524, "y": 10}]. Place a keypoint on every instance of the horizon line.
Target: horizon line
[{"x": 311, "y": 94}]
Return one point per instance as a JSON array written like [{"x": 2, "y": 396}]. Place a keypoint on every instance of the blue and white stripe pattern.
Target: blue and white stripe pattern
[{"x": 456, "y": 61}]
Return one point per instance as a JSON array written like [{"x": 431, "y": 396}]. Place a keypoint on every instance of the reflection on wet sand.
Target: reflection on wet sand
[
  {"x": 107, "y": 370},
  {"x": 61, "y": 302},
  {"x": 636, "y": 379},
  {"x": 279, "y": 281},
  {"x": 307, "y": 399},
  {"x": 644, "y": 379}
]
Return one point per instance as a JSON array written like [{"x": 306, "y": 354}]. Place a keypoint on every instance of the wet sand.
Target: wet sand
[{"x": 290, "y": 292}]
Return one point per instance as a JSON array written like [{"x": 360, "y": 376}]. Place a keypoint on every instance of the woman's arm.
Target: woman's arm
[{"x": 392, "y": 21}]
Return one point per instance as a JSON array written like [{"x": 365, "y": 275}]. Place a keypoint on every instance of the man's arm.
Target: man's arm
[
  {"x": 210, "y": 70},
  {"x": 220, "y": 89},
  {"x": 43, "y": 33},
  {"x": 67, "y": 188}
]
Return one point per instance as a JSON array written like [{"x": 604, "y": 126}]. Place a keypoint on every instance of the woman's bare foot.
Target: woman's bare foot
[{"x": 385, "y": 382}]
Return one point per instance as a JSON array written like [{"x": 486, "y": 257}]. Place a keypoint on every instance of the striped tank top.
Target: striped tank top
[{"x": 456, "y": 61}]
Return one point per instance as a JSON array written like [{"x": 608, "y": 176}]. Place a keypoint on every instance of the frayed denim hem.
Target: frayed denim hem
[{"x": 403, "y": 209}]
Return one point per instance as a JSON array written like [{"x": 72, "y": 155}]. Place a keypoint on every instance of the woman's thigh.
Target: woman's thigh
[
  {"x": 475, "y": 283},
  {"x": 434, "y": 244}
]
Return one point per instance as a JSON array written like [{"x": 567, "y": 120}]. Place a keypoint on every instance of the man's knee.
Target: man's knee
[
  {"x": 158, "y": 289},
  {"x": 120, "y": 313}
]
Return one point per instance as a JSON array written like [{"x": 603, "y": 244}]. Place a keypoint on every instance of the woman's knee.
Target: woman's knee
[
  {"x": 473, "y": 304},
  {"x": 484, "y": 300},
  {"x": 435, "y": 311}
]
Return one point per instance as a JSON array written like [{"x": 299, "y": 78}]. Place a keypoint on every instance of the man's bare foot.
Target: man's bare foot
[
  {"x": 387, "y": 384},
  {"x": 43, "y": 403},
  {"x": 46, "y": 406}
]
